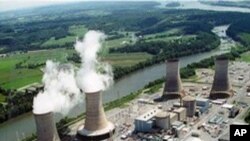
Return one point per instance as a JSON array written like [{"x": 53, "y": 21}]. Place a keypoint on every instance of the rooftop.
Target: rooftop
[{"x": 148, "y": 115}]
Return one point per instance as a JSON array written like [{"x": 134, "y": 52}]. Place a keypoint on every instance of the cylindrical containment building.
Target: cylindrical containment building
[
  {"x": 162, "y": 120},
  {"x": 190, "y": 104},
  {"x": 45, "y": 127},
  {"x": 96, "y": 126},
  {"x": 173, "y": 87},
  {"x": 221, "y": 85}
]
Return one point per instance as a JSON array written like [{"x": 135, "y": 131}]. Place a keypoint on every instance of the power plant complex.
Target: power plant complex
[{"x": 161, "y": 116}]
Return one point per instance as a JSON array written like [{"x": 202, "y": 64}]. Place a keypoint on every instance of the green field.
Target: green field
[
  {"x": 174, "y": 31},
  {"x": 75, "y": 31},
  {"x": 245, "y": 37},
  {"x": 12, "y": 78},
  {"x": 245, "y": 57},
  {"x": 126, "y": 59},
  {"x": 170, "y": 38},
  {"x": 2, "y": 98},
  {"x": 78, "y": 32}
]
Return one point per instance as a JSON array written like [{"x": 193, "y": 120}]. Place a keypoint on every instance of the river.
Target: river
[{"x": 195, "y": 4}]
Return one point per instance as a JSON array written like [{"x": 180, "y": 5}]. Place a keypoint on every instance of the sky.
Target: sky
[{"x": 6, "y": 5}]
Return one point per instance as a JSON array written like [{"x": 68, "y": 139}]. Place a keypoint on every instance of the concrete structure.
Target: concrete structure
[
  {"x": 233, "y": 112},
  {"x": 173, "y": 117},
  {"x": 96, "y": 127},
  {"x": 45, "y": 127},
  {"x": 178, "y": 126},
  {"x": 162, "y": 120},
  {"x": 189, "y": 103},
  {"x": 221, "y": 85},
  {"x": 181, "y": 113},
  {"x": 144, "y": 122},
  {"x": 173, "y": 88},
  {"x": 202, "y": 104}
]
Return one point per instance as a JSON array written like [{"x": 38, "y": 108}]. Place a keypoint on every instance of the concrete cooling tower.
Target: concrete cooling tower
[
  {"x": 173, "y": 87},
  {"x": 221, "y": 86},
  {"x": 96, "y": 127},
  {"x": 45, "y": 127}
]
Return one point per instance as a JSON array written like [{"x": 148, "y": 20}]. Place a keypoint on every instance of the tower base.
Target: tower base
[
  {"x": 86, "y": 135},
  {"x": 170, "y": 96},
  {"x": 220, "y": 94}
]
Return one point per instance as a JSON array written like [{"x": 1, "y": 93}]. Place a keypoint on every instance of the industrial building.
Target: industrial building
[
  {"x": 221, "y": 87},
  {"x": 202, "y": 104},
  {"x": 189, "y": 103},
  {"x": 181, "y": 113},
  {"x": 217, "y": 119},
  {"x": 144, "y": 123},
  {"x": 173, "y": 88},
  {"x": 96, "y": 126},
  {"x": 173, "y": 117},
  {"x": 178, "y": 126},
  {"x": 233, "y": 112},
  {"x": 45, "y": 127},
  {"x": 158, "y": 118}
]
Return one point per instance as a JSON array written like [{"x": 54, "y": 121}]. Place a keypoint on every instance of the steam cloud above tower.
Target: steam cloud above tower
[
  {"x": 93, "y": 75},
  {"x": 60, "y": 90},
  {"x": 62, "y": 87}
]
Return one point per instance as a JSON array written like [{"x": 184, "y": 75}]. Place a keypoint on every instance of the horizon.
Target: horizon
[{"x": 13, "y": 5}]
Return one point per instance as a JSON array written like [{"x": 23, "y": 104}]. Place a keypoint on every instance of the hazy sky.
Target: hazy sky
[{"x": 19, "y": 4}]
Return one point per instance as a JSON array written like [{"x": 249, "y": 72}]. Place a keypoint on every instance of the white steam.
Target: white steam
[
  {"x": 93, "y": 75},
  {"x": 60, "y": 90}
]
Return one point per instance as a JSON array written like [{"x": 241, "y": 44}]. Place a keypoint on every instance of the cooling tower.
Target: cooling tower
[
  {"x": 221, "y": 86},
  {"x": 45, "y": 127},
  {"x": 190, "y": 104},
  {"x": 173, "y": 87},
  {"x": 96, "y": 127}
]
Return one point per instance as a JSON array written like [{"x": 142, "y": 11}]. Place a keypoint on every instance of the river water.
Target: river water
[
  {"x": 195, "y": 4},
  {"x": 22, "y": 126}
]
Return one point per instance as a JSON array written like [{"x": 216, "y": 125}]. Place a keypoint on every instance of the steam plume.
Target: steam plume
[
  {"x": 60, "y": 90},
  {"x": 93, "y": 75}
]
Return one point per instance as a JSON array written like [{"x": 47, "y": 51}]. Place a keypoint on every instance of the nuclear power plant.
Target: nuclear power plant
[
  {"x": 45, "y": 127},
  {"x": 221, "y": 87},
  {"x": 173, "y": 87},
  {"x": 96, "y": 126}
]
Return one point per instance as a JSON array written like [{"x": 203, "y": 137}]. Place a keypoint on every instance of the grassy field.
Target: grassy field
[
  {"x": 79, "y": 31},
  {"x": 12, "y": 78},
  {"x": 2, "y": 98},
  {"x": 169, "y": 38},
  {"x": 245, "y": 37},
  {"x": 76, "y": 31},
  {"x": 245, "y": 57},
  {"x": 126, "y": 59},
  {"x": 174, "y": 31}
]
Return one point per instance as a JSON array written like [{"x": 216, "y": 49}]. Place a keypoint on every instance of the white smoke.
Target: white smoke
[
  {"x": 60, "y": 90},
  {"x": 93, "y": 75}
]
